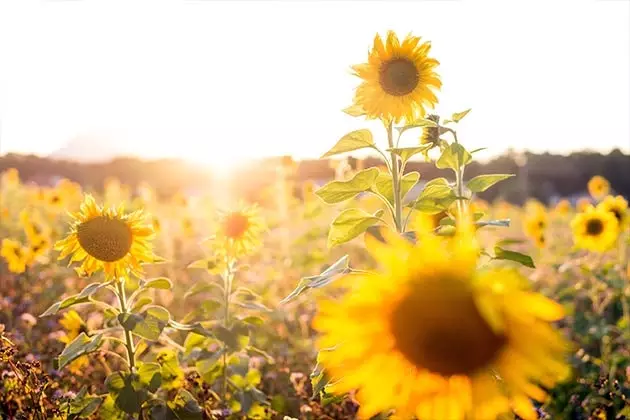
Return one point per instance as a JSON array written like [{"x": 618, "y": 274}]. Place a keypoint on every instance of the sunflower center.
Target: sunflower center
[
  {"x": 105, "y": 239},
  {"x": 594, "y": 227},
  {"x": 236, "y": 225},
  {"x": 438, "y": 327},
  {"x": 617, "y": 214},
  {"x": 399, "y": 76}
]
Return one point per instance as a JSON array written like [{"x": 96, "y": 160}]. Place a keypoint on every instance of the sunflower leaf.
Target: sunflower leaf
[
  {"x": 355, "y": 140},
  {"x": 148, "y": 324},
  {"x": 483, "y": 182},
  {"x": 458, "y": 116},
  {"x": 504, "y": 254},
  {"x": 454, "y": 157},
  {"x": 407, "y": 153},
  {"x": 349, "y": 224},
  {"x": 157, "y": 283},
  {"x": 422, "y": 122},
  {"x": 326, "y": 277},
  {"x": 78, "y": 347},
  {"x": 384, "y": 186},
  {"x": 339, "y": 191}
]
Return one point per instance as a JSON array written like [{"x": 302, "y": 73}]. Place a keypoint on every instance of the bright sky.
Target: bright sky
[{"x": 218, "y": 81}]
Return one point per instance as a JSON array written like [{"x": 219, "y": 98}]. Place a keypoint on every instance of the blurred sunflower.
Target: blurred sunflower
[
  {"x": 108, "y": 239},
  {"x": 240, "y": 230},
  {"x": 398, "y": 79},
  {"x": 534, "y": 223},
  {"x": 34, "y": 225},
  {"x": 54, "y": 200},
  {"x": 73, "y": 325},
  {"x": 10, "y": 178},
  {"x": 540, "y": 240},
  {"x": 617, "y": 206},
  {"x": 596, "y": 229},
  {"x": 598, "y": 187},
  {"x": 563, "y": 207},
  {"x": 432, "y": 336},
  {"x": 16, "y": 255}
]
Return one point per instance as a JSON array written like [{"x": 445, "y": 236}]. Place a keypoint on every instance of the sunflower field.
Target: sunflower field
[{"x": 377, "y": 295}]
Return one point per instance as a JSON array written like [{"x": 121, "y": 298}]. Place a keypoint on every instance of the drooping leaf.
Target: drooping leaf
[
  {"x": 354, "y": 140},
  {"x": 148, "y": 324},
  {"x": 158, "y": 283},
  {"x": 78, "y": 347},
  {"x": 140, "y": 303},
  {"x": 82, "y": 297},
  {"x": 355, "y": 110},
  {"x": 337, "y": 269},
  {"x": 82, "y": 405},
  {"x": 349, "y": 224},
  {"x": 339, "y": 191},
  {"x": 483, "y": 182},
  {"x": 453, "y": 157},
  {"x": 504, "y": 254}
]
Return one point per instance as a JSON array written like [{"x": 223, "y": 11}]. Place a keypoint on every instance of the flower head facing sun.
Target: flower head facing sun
[
  {"x": 398, "y": 79},
  {"x": 598, "y": 187},
  {"x": 241, "y": 229},
  {"x": 596, "y": 229},
  {"x": 617, "y": 206},
  {"x": 108, "y": 239},
  {"x": 432, "y": 336}
]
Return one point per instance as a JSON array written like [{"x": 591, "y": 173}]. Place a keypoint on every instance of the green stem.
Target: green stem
[
  {"x": 122, "y": 299},
  {"x": 395, "y": 180},
  {"x": 459, "y": 181},
  {"x": 228, "y": 276}
]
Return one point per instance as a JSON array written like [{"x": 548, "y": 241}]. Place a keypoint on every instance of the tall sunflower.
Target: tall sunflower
[
  {"x": 617, "y": 206},
  {"x": 596, "y": 229},
  {"x": 240, "y": 230},
  {"x": 598, "y": 187},
  {"x": 398, "y": 80},
  {"x": 432, "y": 336},
  {"x": 108, "y": 239}
]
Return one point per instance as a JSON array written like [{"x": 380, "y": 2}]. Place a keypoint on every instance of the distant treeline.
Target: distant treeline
[{"x": 544, "y": 176}]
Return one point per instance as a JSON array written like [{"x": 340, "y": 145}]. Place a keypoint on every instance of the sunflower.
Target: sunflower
[
  {"x": 108, "y": 239},
  {"x": 596, "y": 229},
  {"x": 540, "y": 240},
  {"x": 617, "y": 206},
  {"x": 398, "y": 79},
  {"x": 240, "y": 230},
  {"x": 535, "y": 223},
  {"x": 430, "y": 335},
  {"x": 34, "y": 225},
  {"x": 563, "y": 207},
  {"x": 16, "y": 255},
  {"x": 582, "y": 204},
  {"x": 430, "y": 135},
  {"x": 598, "y": 187}
]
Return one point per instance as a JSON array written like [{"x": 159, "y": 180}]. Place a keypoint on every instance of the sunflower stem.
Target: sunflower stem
[
  {"x": 122, "y": 299},
  {"x": 395, "y": 179},
  {"x": 228, "y": 277},
  {"x": 459, "y": 181}
]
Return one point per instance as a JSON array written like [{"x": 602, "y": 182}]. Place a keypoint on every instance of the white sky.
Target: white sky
[{"x": 215, "y": 81}]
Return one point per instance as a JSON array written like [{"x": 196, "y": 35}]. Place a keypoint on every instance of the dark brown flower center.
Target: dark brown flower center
[
  {"x": 594, "y": 227},
  {"x": 236, "y": 225},
  {"x": 439, "y": 328},
  {"x": 618, "y": 214},
  {"x": 399, "y": 76},
  {"x": 105, "y": 239}
]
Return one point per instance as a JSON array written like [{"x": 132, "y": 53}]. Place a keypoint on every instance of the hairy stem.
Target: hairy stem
[{"x": 122, "y": 299}]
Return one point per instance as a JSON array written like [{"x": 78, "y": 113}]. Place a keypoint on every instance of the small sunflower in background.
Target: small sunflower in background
[
  {"x": 108, "y": 239},
  {"x": 583, "y": 204},
  {"x": 15, "y": 254},
  {"x": 399, "y": 79},
  {"x": 540, "y": 239},
  {"x": 598, "y": 187},
  {"x": 432, "y": 336},
  {"x": 563, "y": 207},
  {"x": 55, "y": 200},
  {"x": 241, "y": 230},
  {"x": 595, "y": 229},
  {"x": 535, "y": 222},
  {"x": 617, "y": 206}
]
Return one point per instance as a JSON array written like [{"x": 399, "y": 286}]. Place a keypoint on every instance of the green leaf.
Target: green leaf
[
  {"x": 355, "y": 140},
  {"x": 337, "y": 269},
  {"x": 483, "y": 182},
  {"x": 212, "y": 265},
  {"x": 210, "y": 367},
  {"x": 421, "y": 123},
  {"x": 454, "y": 157},
  {"x": 436, "y": 189},
  {"x": 182, "y": 407},
  {"x": 150, "y": 375},
  {"x": 78, "y": 347},
  {"x": 460, "y": 115},
  {"x": 407, "y": 153},
  {"x": 355, "y": 111},
  {"x": 126, "y": 397},
  {"x": 504, "y": 254},
  {"x": 149, "y": 324},
  {"x": 203, "y": 287},
  {"x": 349, "y": 224},
  {"x": 253, "y": 305},
  {"x": 82, "y": 297},
  {"x": 157, "y": 283},
  {"x": 143, "y": 301},
  {"x": 82, "y": 405},
  {"x": 499, "y": 223},
  {"x": 385, "y": 187},
  {"x": 172, "y": 374},
  {"x": 338, "y": 191},
  {"x": 109, "y": 410},
  {"x": 235, "y": 338}
]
